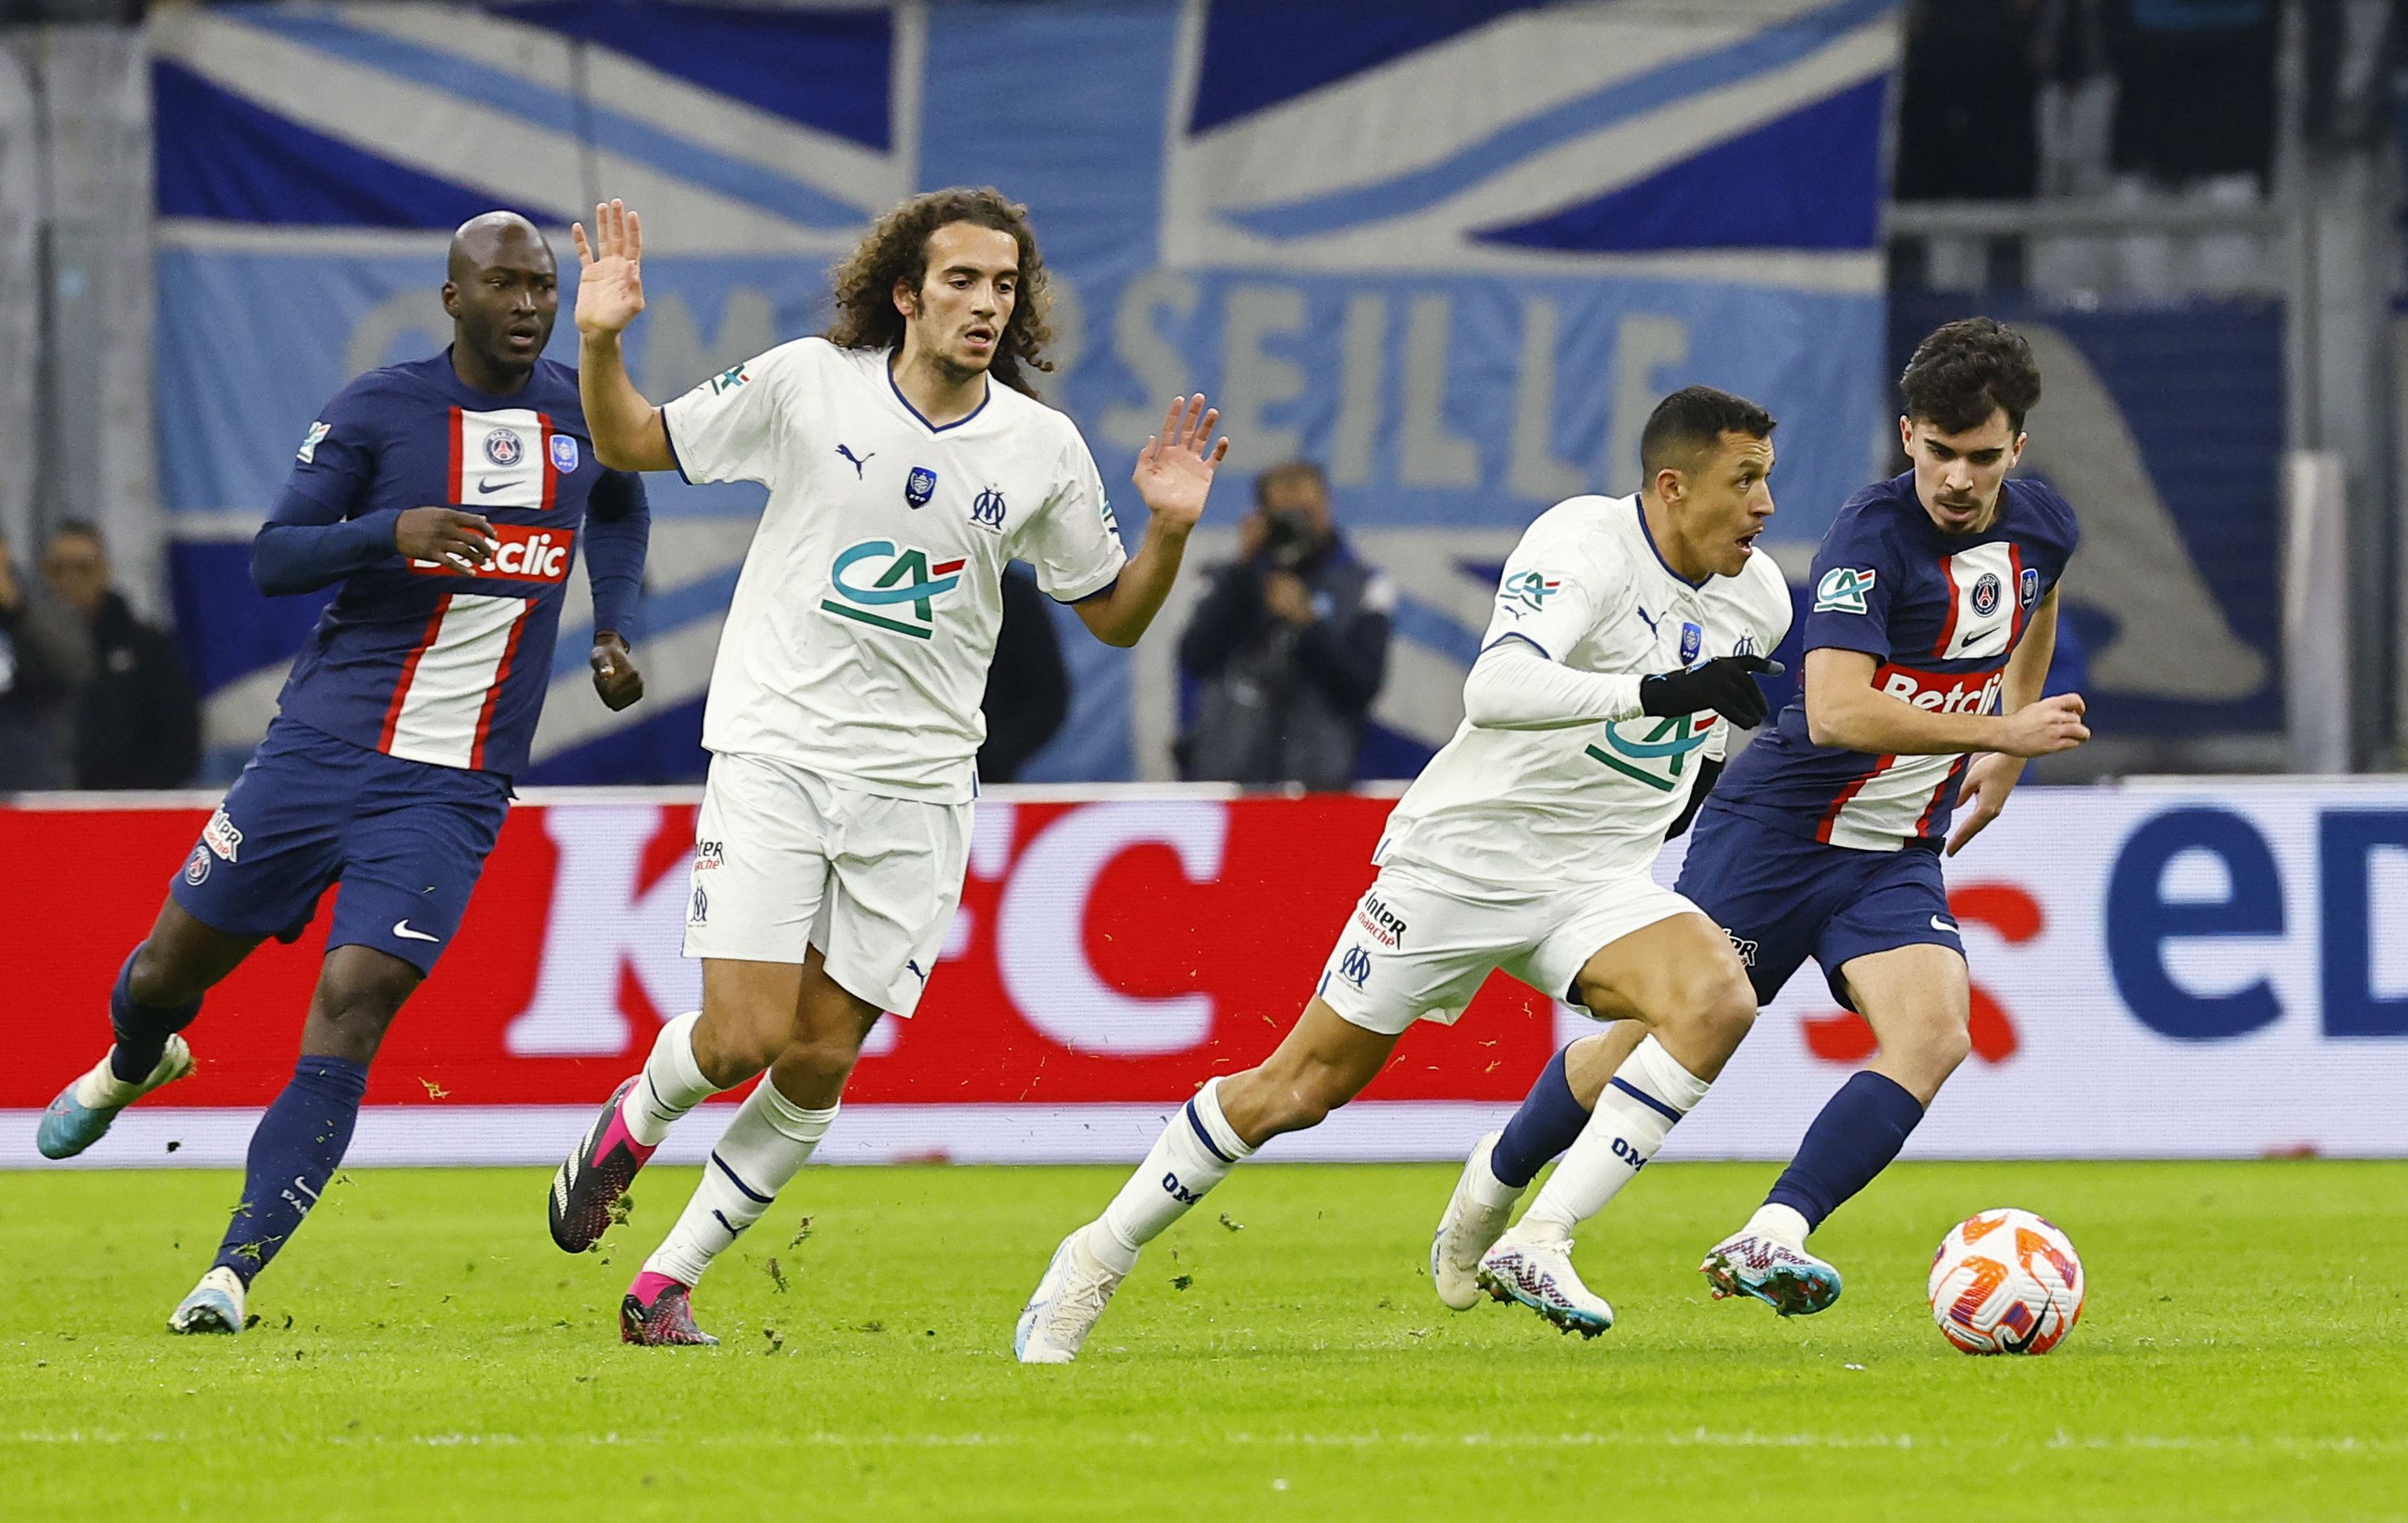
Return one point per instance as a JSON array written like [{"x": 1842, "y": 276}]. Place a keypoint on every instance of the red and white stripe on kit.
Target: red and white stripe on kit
[
  {"x": 442, "y": 708},
  {"x": 1889, "y": 805},
  {"x": 1985, "y": 605},
  {"x": 505, "y": 458}
]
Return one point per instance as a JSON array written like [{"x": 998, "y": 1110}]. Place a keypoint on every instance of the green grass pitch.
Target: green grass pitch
[{"x": 425, "y": 1353}]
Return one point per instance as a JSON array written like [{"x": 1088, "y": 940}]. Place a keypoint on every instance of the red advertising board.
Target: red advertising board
[{"x": 1112, "y": 951}]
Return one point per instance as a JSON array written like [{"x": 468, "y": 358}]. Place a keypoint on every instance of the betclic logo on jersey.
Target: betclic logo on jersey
[
  {"x": 890, "y": 587},
  {"x": 521, "y": 552}
]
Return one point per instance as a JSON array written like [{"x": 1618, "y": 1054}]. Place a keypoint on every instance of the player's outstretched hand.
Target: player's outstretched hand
[
  {"x": 615, "y": 677},
  {"x": 1987, "y": 782},
  {"x": 1174, "y": 470},
  {"x": 2046, "y": 727},
  {"x": 445, "y": 535},
  {"x": 1726, "y": 684},
  {"x": 609, "y": 269}
]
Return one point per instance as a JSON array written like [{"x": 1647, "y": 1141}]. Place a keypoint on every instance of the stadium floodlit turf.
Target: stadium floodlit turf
[{"x": 425, "y": 1353}]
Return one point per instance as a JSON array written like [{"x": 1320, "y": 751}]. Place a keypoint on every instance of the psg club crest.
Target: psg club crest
[
  {"x": 919, "y": 486},
  {"x": 502, "y": 447},
  {"x": 987, "y": 509},
  {"x": 1693, "y": 639},
  {"x": 1985, "y": 595},
  {"x": 2028, "y": 587},
  {"x": 564, "y": 454}
]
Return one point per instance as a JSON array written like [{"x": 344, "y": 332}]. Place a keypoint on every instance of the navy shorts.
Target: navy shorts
[
  {"x": 1784, "y": 898},
  {"x": 406, "y": 840}
]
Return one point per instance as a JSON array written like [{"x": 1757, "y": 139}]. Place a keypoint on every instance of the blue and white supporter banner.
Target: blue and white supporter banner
[{"x": 1453, "y": 253}]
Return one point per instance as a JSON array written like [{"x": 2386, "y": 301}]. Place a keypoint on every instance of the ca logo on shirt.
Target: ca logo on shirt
[
  {"x": 1528, "y": 593},
  {"x": 1843, "y": 590},
  {"x": 891, "y": 588},
  {"x": 1668, "y": 741}
]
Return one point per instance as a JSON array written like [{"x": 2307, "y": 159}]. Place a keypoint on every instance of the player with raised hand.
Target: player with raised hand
[
  {"x": 1933, "y": 621},
  {"x": 448, "y": 496},
  {"x": 1626, "y": 632},
  {"x": 907, "y": 462}
]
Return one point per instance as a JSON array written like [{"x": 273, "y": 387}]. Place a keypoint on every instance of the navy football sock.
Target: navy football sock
[
  {"x": 141, "y": 1032},
  {"x": 1855, "y": 1138},
  {"x": 1549, "y": 1121},
  {"x": 298, "y": 1143}
]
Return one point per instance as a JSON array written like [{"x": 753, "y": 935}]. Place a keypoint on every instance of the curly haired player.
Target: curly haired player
[{"x": 843, "y": 718}]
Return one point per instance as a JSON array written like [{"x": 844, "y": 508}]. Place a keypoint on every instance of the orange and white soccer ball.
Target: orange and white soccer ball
[{"x": 2006, "y": 1282}]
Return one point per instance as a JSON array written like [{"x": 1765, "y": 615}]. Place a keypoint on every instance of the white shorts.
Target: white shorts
[
  {"x": 786, "y": 860},
  {"x": 1420, "y": 943}
]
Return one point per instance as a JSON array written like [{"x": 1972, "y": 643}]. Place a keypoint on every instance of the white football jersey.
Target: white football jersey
[
  {"x": 865, "y": 619},
  {"x": 1587, "y": 803}
]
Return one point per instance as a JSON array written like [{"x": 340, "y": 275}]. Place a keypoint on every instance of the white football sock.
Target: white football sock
[
  {"x": 1481, "y": 1184},
  {"x": 764, "y": 1146},
  {"x": 1784, "y": 1225},
  {"x": 672, "y": 1084},
  {"x": 1194, "y": 1152},
  {"x": 1648, "y": 1094}
]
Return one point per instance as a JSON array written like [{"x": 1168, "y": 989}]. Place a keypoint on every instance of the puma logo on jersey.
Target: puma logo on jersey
[{"x": 858, "y": 461}]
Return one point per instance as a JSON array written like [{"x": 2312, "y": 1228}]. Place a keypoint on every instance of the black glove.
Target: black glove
[{"x": 1726, "y": 684}]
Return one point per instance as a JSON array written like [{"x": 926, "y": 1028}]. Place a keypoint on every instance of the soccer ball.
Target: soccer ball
[{"x": 2006, "y": 1282}]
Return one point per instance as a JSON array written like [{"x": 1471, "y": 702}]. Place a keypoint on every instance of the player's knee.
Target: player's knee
[
  {"x": 1284, "y": 1103},
  {"x": 353, "y": 1008},
  {"x": 818, "y": 1060},
  {"x": 155, "y": 982},
  {"x": 372, "y": 1000},
  {"x": 1943, "y": 1047},
  {"x": 1716, "y": 1011}
]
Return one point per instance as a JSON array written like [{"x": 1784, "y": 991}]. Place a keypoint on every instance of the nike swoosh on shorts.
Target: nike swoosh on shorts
[{"x": 401, "y": 929}]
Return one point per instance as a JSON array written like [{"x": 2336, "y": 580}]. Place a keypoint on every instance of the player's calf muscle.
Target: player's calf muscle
[{"x": 1324, "y": 1062}]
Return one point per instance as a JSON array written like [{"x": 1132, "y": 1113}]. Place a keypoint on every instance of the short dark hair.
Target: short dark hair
[
  {"x": 1693, "y": 421},
  {"x": 1287, "y": 470},
  {"x": 78, "y": 526},
  {"x": 1965, "y": 370}
]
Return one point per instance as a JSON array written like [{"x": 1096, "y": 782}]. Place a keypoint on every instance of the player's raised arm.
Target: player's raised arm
[
  {"x": 628, "y": 434},
  {"x": 1174, "y": 476}
]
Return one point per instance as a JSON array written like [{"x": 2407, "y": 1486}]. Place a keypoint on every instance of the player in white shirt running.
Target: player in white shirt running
[
  {"x": 843, "y": 718},
  {"x": 1627, "y": 639}
]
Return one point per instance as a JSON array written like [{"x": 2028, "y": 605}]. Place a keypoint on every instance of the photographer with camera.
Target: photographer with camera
[{"x": 1288, "y": 646}]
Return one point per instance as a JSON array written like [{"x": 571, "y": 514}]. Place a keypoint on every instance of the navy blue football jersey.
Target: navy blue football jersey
[
  {"x": 413, "y": 659},
  {"x": 1942, "y": 613}
]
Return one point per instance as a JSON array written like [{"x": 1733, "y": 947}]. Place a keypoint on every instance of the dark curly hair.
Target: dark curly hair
[
  {"x": 1967, "y": 368},
  {"x": 896, "y": 249}
]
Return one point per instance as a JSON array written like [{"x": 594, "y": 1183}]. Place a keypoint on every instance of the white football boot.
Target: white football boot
[
  {"x": 1791, "y": 1280},
  {"x": 215, "y": 1305},
  {"x": 84, "y": 1109},
  {"x": 1068, "y": 1300},
  {"x": 1538, "y": 1274},
  {"x": 1466, "y": 1230}
]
